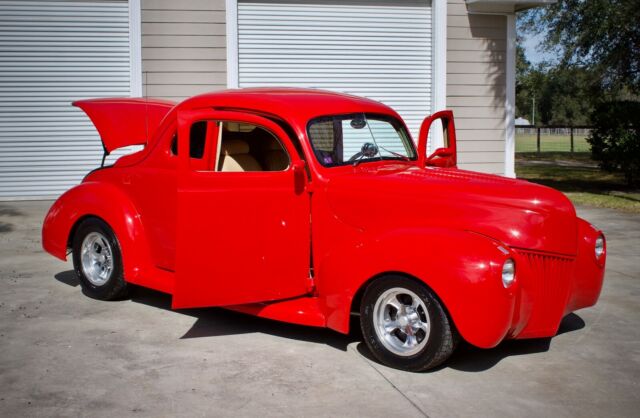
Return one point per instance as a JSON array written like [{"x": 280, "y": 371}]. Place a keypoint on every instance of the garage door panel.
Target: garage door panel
[
  {"x": 337, "y": 39},
  {"x": 329, "y": 7},
  {"x": 377, "y": 49},
  {"x": 53, "y": 53}
]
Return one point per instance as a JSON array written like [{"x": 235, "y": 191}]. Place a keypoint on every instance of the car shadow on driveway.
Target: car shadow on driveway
[
  {"x": 215, "y": 322},
  {"x": 468, "y": 358},
  {"x": 68, "y": 277},
  {"x": 472, "y": 359}
]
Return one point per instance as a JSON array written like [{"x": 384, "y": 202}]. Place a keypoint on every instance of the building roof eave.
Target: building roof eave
[{"x": 504, "y": 6}]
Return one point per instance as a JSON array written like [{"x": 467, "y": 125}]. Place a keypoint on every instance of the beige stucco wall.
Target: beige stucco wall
[
  {"x": 183, "y": 47},
  {"x": 476, "y": 52}
]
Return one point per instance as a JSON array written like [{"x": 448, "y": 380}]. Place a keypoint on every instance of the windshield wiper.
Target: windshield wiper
[
  {"x": 402, "y": 157},
  {"x": 359, "y": 160},
  {"x": 380, "y": 158}
]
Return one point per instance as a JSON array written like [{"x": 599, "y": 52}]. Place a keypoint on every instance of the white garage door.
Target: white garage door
[
  {"x": 51, "y": 53},
  {"x": 377, "y": 49}
]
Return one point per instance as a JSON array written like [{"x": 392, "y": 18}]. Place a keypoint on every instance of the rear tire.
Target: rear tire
[
  {"x": 404, "y": 325},
  {"x": 97, "y": 261}
]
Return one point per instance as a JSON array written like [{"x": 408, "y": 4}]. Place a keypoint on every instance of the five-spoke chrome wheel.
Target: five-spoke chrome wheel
[
  {"x": 404, "y": 323},
  {"x": 401, "y": 321},
  {"x": 97, "y": 258}
]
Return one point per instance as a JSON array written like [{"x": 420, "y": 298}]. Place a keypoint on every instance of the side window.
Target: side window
[
  {"x": 246, "y": 147},
  {"x": 197, "y": 141},
  {"x": 174, "y": 144}
]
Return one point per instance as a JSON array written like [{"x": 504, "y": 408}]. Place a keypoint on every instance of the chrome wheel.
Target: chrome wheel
[
  {"x": 97, "y": 258},
  {"x": 401, "y": 321}
]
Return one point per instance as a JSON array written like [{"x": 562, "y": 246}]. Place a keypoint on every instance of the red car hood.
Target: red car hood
[{"x": 518, "y": 213}]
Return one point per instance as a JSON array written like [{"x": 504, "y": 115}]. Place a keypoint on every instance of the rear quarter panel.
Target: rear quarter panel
[{"x": 109, "y": 203}]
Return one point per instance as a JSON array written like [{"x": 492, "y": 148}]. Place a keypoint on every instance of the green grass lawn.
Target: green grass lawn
[
  {"x": 550, "y": 143},
  {"x": 579, "y": 178}
]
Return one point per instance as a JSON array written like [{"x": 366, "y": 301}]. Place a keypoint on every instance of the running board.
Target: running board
[{"x": 303, "y": 311}]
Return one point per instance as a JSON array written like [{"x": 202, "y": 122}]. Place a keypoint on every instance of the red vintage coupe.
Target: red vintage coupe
[{"x": 309, "y": 207}]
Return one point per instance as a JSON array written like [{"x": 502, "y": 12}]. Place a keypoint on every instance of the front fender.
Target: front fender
[
  {"x": 112, "y": 205},
  {"x": 462, "y": 268},
  {"x": 589, "y": 274}
]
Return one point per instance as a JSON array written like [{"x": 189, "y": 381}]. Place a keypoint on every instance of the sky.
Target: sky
[{"x": 530, "y": 44}]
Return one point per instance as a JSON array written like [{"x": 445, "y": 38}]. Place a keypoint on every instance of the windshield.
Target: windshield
[{"x": 355, "y": 138}]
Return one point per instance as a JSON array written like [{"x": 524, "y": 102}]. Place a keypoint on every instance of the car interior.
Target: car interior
[
  {"x": 245, "y": 147},
  {"x": 241, "y": 147}
]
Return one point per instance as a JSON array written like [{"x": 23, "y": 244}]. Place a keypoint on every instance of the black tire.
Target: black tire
[
  {"x": 115, "y": 287},
  {"x": 440, "y": 342}
]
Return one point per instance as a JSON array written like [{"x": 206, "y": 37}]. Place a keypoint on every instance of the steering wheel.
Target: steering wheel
[{"x": 368, "y": 150}]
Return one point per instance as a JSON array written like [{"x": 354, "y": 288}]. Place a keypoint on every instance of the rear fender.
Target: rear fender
[
  {"x": 462, "y": 268},
  {"x": 112, "y": 205}
]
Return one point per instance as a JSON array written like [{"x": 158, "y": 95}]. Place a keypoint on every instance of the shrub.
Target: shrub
[{"x": 615, "y": 138}]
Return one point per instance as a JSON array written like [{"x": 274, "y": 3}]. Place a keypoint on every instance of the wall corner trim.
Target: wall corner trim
[
  {"x": 439, "y": 99},
  {"x": 510, "y": 103},
  {"x": 231, "y": 23},
  {"x": 135, "y": 48}
]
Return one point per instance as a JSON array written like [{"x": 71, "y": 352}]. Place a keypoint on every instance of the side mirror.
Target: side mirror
[
  {"x": 299, "y": 175},
  {"x": 442, "y": 156},
  {"x": 439, "y": 153}
]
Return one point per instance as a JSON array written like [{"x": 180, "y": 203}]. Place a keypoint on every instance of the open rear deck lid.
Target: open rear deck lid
[{"x": 124, "y": 122}]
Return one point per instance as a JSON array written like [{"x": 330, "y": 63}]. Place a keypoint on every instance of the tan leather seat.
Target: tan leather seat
[
  {"x": 275, "y": 158},
  {"x": 235, "y": 157}
]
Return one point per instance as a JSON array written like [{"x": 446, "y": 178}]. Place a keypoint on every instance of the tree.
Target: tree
[
  {"x": 523, "y": 90},
  {"x": 523, "y": 66},
  {"x": 565, "y": 96},
  {"x": 562, "y": 96},
  {"x": 615, "y": 139},
  {"x": 600, "y": 36}
]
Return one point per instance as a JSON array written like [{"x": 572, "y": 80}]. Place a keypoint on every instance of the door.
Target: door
[
  {"x": 382, "y": 50},
  {"x": 52, "y": 53},
  {"x": 243, "y": 228},
  {"x": 444, "y": 156}
]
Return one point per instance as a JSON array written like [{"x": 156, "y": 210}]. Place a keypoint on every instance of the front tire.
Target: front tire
[
  {"x": 404, "y": 325},
  {"x": 97, "y": 261}
]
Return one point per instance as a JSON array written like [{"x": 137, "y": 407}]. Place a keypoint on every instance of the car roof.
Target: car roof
[{"x": 293, "y": 104}]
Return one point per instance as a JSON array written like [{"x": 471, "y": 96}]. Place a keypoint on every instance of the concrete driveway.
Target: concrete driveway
[{"x": 63, "y": 354}]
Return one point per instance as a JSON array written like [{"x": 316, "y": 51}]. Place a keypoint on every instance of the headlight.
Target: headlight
[
  {"x": 508, "y": 273},
  {"x": 599, "y": 247}
]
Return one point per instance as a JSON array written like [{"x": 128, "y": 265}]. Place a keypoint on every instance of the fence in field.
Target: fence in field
[{"x": 530, "y": 138}]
